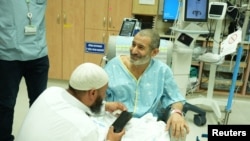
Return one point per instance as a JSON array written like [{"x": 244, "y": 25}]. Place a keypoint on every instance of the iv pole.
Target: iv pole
[{"x": 236, "y": 67}]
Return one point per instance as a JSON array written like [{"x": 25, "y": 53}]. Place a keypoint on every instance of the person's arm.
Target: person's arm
[
  {"x": 174, "y": 100},
  {"x": 177, "y": 107},
  {"x": 176, "y": 121},
  {"x": 113, "y": 106}
]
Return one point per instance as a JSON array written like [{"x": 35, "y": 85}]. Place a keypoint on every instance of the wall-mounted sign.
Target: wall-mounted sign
[{"x": 91, "y": 47}]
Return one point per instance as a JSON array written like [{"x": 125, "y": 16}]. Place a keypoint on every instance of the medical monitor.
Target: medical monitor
[
  {"x": 128, "y": 27},
  {"x": 170, "y": 10},
  {"x": 187, "y": 36},
  {"x": 196, "y": 10},
  {"x": 217, "y": 10},
  {"x": 185, "y": 39}
]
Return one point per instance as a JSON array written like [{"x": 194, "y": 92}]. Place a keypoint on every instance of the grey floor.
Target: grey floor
[{"x": 239, "y": 111}]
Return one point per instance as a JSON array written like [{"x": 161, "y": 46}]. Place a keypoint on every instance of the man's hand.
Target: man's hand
[
  {"x": 112, "y": 136},
  {"x": 113, "y": 106},
  {"x": 178, "y": 126}
]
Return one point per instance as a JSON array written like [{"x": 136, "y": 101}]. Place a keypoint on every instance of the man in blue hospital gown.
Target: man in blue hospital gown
[{"x": 146, "y": 85}]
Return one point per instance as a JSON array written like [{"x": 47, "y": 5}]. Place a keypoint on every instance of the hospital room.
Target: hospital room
[{"x": 124, "y": 70}]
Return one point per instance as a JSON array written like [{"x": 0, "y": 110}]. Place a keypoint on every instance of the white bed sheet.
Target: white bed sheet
[{"x": 146, "y": 128}]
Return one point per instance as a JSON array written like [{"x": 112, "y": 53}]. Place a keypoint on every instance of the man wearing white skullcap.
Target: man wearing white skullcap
[
  {"x": 64, "y": 114},
  {"x": 88, "y": 76}
]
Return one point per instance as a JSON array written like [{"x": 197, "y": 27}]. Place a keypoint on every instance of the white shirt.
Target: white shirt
[{"x": 58, "y": 116}]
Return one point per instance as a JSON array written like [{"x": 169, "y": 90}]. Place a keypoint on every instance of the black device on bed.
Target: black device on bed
[{"x": 121, "y": 121}]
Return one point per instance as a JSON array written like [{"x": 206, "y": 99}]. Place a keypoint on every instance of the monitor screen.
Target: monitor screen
[
  {"x": 185, "y": 39},
  {"x": 170, "y": 10},
  {"x": 196, "y": 10},
  {"x": 127, "y": 28},
  {"x": 217, "y": 10}
]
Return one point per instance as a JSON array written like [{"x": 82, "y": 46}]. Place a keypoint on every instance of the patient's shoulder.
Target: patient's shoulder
[{"x": 124, "y": 59}]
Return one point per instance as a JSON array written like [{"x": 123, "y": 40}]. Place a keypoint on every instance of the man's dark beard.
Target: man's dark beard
[{"x": 96, "y": 107}]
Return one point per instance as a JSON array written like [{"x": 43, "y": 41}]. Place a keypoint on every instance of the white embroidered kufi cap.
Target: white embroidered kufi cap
[{"x": 88, "y": 76}]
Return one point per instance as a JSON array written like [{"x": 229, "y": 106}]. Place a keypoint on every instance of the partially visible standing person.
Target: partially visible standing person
[{"x": 23, "y": 53}]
